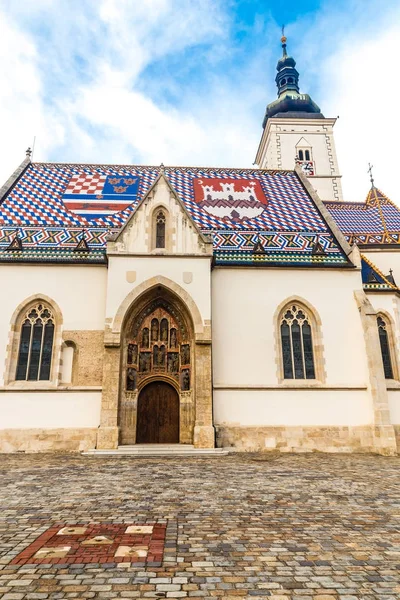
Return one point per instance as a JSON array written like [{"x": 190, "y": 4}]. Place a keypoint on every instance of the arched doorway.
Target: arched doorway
[
  {"x": 158, "y": 414},
  {"x": 157, "y": 372}
]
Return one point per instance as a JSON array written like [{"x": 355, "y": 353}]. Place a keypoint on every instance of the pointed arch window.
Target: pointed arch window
[
  {"x": 297, "y": 344},
  {"x": 36, "y": 344},
  {"x": 383, "y": 330},
  {"x": 160, "y": 229}
]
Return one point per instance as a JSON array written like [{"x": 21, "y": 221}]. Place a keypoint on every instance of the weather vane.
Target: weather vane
[{"x": 370, "y": 167}]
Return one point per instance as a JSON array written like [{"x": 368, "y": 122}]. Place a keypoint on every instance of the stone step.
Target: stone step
[{"x": 158, "y": 450}]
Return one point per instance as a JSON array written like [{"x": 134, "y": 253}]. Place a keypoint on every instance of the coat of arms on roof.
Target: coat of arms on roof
[
  {"x": 95, "y": 195},
  {"x": 237, "y": 199}
]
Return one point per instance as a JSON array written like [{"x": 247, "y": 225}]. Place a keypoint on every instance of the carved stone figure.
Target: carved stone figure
[
  {"x": 185, "y": 354},
  {"x": 154, "y": 330},
  {"x": 173, "y": 362},
  {"x": 164, "y": 330},
  {"x": 185, "y": 380},
  {"x": 173, "y": 338},
  {"x": 145, "y": 338},
  {"x": 131, "y": 380},
  {"x": 144, "y": 361}
]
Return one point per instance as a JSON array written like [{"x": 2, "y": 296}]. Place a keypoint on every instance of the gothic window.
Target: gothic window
[
  {"x": 36, "y": 344},
  {"x": 301, "y": 155},
  {"x": 307, "y": 154},
  {"x": 160, "y": 229},
  {"x": 385, "y": 347},
  {"x": 297, "y": 344}
]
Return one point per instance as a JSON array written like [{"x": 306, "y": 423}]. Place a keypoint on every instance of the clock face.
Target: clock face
[{"x": 307, "y": 167}]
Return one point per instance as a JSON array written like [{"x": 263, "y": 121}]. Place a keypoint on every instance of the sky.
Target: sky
[{"x": 186, "y": 82}]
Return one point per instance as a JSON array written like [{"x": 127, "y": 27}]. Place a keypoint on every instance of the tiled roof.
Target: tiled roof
[
  {"x": 253, "y": 216},
  {"x": 374, "y": 279},
  {"x": 373, "y": 222}
]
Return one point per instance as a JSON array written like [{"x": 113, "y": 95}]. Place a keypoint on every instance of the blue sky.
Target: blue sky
[{"x": 187, "y": 81}]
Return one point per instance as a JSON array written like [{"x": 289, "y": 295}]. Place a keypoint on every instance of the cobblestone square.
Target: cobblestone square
[{"x": 287, "y": 527}]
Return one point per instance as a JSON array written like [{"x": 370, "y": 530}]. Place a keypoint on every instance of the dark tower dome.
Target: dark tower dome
[{"x": 290, "y": 102}]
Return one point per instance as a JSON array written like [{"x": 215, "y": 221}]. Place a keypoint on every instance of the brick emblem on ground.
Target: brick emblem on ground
[{"x": 101, "y": 543}]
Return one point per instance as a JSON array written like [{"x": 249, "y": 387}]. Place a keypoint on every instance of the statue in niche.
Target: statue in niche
[
  {"x": 145, "y": 338},
  {"x": 161, "y": 357},
  {"x": 185, "y": 380},
  {"x": 131, "y": 380},
  {"x": 185, "y": 354},
  {"x": 154, "y": 330},
  {"x": 155, "y": 356},
  {"x": 173, "y": 362},
  {"x": 144, "y": 361},
  {"x": 164, "y": 330},
  {"x": 132, "y": 354},
  {"x": 172, "y": 338}
]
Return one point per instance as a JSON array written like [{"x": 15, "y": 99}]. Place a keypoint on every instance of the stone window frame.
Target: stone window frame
[
  {"x": 168, "y": 230},
  {"x": 390, "y": 329},
  {"x": 318, "y": 347},
  {"x": 14, "y": 338}
]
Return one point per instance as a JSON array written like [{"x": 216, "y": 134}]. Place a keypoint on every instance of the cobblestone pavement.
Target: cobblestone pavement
[{"x": 298, "y": 527}]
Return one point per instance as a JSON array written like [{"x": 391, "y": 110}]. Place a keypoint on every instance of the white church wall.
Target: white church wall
[
  {"x": 292, "y": 408},
  {"x": 49, "y": 410},
  {"x": 79, "y": 292},
  {"x": 190, "y": 273},
  {"x": 245, "y": 302}
]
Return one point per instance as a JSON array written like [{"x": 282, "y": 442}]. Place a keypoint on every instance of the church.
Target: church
[{"x": 246, "y": 309}]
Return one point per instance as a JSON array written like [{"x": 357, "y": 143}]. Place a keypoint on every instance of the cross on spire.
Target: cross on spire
[{"x": 370, "y": 167}]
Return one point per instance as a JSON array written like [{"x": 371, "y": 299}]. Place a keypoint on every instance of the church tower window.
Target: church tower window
[
  {"x": 385, "y": 347},
  {"x": 297, "y": 344},
  {"x": 36, "y": 344}
]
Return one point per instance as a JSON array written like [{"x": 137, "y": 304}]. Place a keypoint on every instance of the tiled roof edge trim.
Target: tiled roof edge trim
[
  {"x": 375, "y": 268},
  {"x": 327, "y": 217},
  {"x": 11, "y": 181}
]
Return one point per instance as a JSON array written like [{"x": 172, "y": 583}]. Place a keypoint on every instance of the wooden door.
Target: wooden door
[{"x": 158, "y": 414}]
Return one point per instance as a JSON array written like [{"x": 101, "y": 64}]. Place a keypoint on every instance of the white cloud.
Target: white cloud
[{"x": 76, "y": 82}]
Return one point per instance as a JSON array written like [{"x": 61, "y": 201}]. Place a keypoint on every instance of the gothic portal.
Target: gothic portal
[{"x": 156, "y": 399}]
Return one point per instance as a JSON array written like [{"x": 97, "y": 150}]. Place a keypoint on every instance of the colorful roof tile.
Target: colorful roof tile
[
  {"x": 253, "y": 216},
  {"x": 373, "y": 222},
  {"x": 374, "y": 279}
]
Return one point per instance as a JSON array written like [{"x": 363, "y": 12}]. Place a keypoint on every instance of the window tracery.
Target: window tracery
[
  {"x": 383, "y": 328},
  {"x": 36, "y": 344},
  {"x": 297, "y": 344},
  {"x": 158, "y": 344}
]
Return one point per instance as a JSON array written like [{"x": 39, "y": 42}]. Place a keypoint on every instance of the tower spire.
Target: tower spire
[{"x": 283, "y": 40}]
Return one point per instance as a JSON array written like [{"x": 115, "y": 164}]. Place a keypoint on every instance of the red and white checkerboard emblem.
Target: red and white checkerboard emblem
[{"x": 86, "y": 184}]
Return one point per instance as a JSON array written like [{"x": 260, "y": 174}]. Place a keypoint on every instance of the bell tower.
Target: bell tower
[{"x": 296, "y": 132}]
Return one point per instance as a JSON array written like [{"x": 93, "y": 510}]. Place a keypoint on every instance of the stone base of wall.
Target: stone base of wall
[
  {"x": 397, "y": 434},
  {"x": 47, "y": 440},
  {"x": 298, "y": 439}
]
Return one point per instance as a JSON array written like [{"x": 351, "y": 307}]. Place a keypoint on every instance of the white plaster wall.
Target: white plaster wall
[
  {"x": 46, "y": 410},
  {"x": 292, "y": 408},
  {"x": 244, "y": 302},
  {"x": 394, "y": 406},
  {"x": 79, "y": 292},
  {"x": 146, "y": 267}
]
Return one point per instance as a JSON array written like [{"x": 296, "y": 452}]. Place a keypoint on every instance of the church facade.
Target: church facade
[{"x": 250, "y": 309}]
